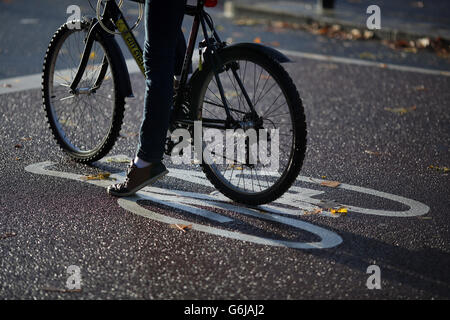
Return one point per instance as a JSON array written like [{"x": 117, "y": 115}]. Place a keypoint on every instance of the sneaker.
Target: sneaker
[{"x": 138, "y": 178}]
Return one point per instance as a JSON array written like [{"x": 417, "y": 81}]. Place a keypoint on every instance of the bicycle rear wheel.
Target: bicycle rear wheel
[
  {"x": 278, "y": 106},
  {"x": 87, "y": 122}
]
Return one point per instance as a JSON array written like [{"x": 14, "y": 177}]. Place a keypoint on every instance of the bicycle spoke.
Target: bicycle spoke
[{"x": 270, "y": 103}]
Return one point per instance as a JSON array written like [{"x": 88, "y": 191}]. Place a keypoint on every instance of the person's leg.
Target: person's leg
[
  {"x": 163, "y": 21},
  {"x": 162, "y": 26}
]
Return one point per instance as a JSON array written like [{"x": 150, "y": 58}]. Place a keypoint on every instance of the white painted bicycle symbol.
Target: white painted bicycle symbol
[{"x": 285, "y": 210}]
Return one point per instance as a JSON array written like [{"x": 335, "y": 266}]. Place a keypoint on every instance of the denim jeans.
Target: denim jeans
[{"x": 164, "y": 51}]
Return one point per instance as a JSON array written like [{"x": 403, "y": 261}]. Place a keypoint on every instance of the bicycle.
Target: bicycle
[{"x": 85, "y": 82}]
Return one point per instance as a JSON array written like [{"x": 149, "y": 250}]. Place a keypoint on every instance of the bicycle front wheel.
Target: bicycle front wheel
[
  {"x": 85, "y": 122},
  {"x": 249, "y": 77}
]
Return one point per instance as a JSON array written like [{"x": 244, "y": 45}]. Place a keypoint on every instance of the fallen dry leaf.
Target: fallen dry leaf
[
  {"x": 236, "y": 167},
  {"x": 332, "y": 184},
  {"x": 423, "y": 43},
  {"x": 26, "y": 139},
  {"x": 18, "y": 146},
  {"x": 51, "y": 289},
  {"x": 99, "y": 176},
  {"x": 356, "y": 34},
  {"x": 182, "y": 227},
  {"x": 401, "y": 111},
  {"x": 7, "y": 235},
  {"x": 323, "y": 31},
  {"x": 420, "y": 88},
  {"x": 438, "y": 45},
  {"x": 257, "y": 40},
  {"x": 368, "y": 34},
  {"x": 375, "y": 153},
  {"x": 417, "y": 4},
  {"x": 116, "y": 160},
  {"x": 437, "y": 168},
  {"x": 315, "y": 211}
]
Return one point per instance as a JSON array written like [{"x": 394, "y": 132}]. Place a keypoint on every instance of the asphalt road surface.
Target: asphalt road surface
[{"x": 358, "y": 135}]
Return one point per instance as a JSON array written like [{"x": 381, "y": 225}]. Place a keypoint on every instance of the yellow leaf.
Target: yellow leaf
[
  {"x": 341, "y": 210},
  {"x": 437, "y": 168},
  {"x": 257, "y": 40},
  {"x": 99, "y": 176}
]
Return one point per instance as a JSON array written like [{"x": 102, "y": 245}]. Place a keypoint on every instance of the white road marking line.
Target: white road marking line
[
  {"x": 361, "y": 62},
  {"x": 34, "y": 81},
  {"x": 29, "y": 82}
]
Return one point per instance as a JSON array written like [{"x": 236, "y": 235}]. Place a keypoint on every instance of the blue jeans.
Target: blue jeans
[{"x": 164, "y": 51}]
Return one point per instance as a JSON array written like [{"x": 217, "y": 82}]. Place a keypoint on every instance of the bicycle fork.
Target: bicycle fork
[{"x": 112, "y": 17}]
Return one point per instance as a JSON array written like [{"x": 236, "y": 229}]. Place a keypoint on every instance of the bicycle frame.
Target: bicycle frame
[{"x": 113, "y": 17}]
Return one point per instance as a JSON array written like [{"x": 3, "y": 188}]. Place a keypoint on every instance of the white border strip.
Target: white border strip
[{"x": 33, "y": 81}]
